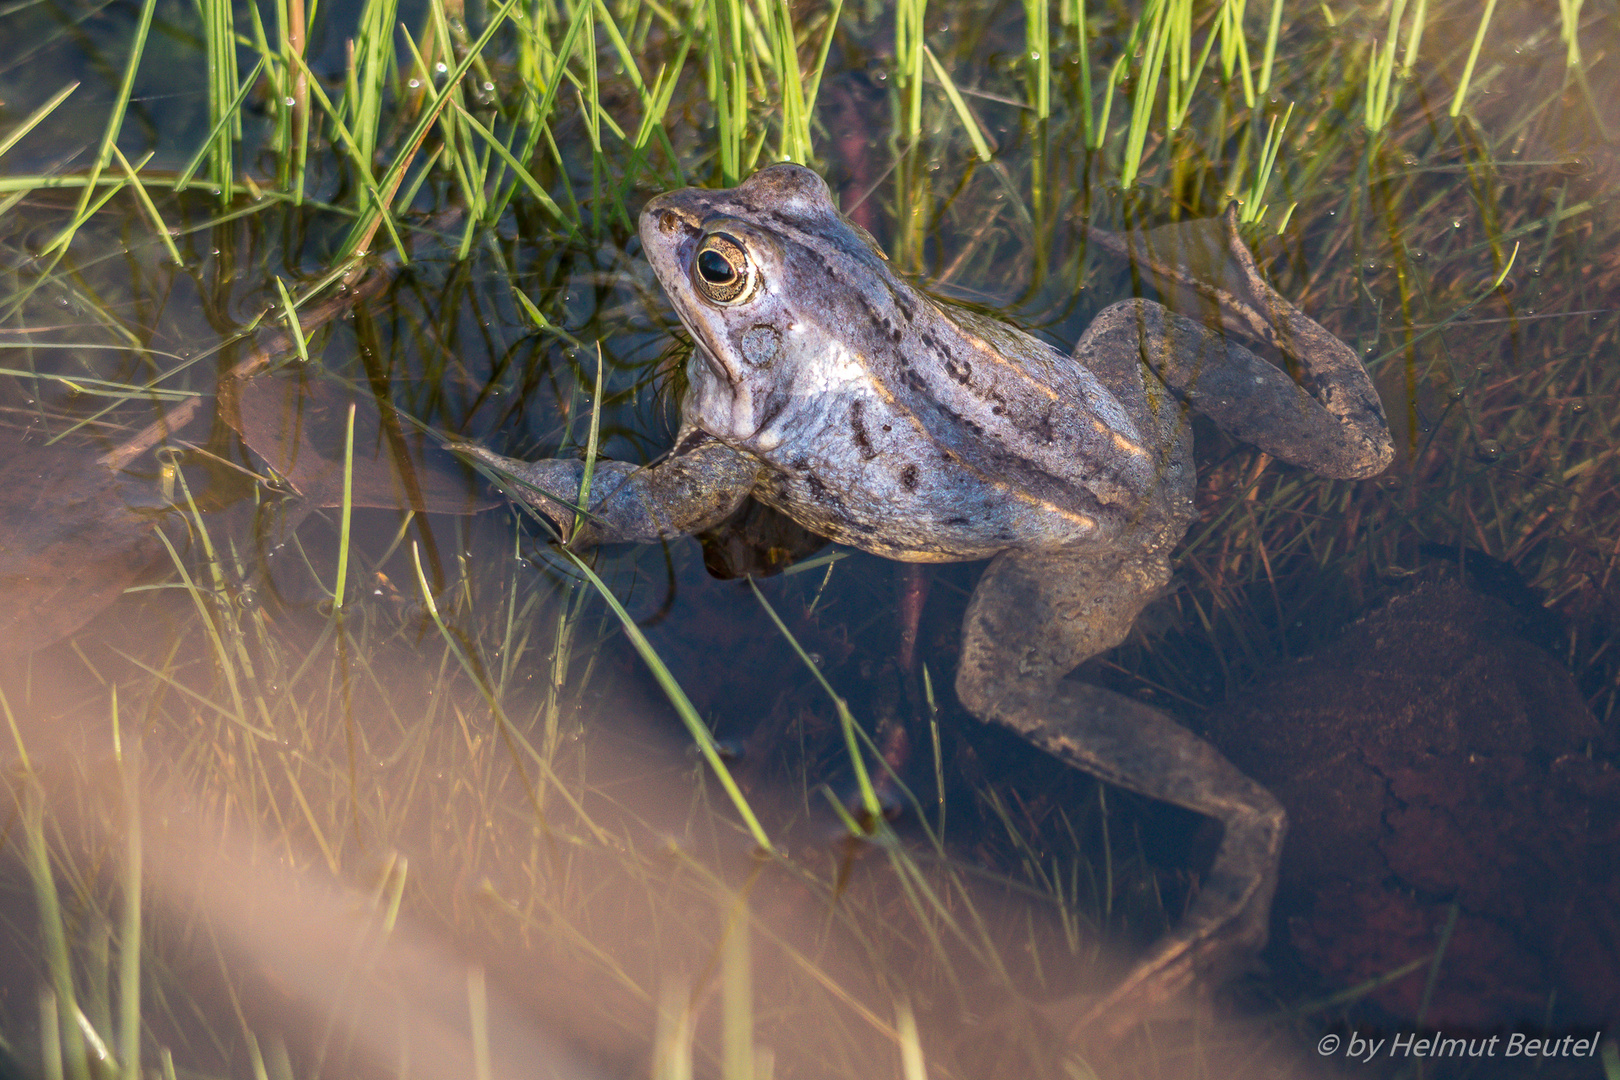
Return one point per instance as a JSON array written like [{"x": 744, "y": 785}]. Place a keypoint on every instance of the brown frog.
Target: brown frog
[{"x": 825, "y": 386}]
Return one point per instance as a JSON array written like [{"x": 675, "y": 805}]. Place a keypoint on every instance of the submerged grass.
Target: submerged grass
[{"x": 1436, "y": 200}]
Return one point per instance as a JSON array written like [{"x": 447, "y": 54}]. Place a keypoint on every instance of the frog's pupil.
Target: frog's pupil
[{"x": 714, "y": 268}]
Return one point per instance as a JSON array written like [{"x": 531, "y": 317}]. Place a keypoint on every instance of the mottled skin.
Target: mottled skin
[{"x": 827, "y": 387}]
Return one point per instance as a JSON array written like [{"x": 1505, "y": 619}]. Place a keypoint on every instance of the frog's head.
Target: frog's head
[{"x": 763, "y": 275}]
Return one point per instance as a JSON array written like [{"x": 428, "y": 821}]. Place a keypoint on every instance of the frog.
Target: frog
[{"x": 826, "y": 386}]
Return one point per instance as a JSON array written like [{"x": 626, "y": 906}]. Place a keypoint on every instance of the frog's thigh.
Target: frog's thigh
[
  {"x": 1032, "y": 618},
  {"x": 1248, "y": 397}
]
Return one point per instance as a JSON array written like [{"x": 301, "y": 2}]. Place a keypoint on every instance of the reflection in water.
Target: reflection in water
[{"x": 548, "y": 897}]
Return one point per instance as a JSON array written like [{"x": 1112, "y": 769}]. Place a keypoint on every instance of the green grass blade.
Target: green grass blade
[
  {"x": 812, "y": 88},
  {"x": 591, "y": 441},
  {"x": 53, "y": 928},
  {"x": 519, "y": 170},
  {"x": 380, "y": 211},
  {"x": 1269, "y": 57},
  {"x": 846, "y": 720},
  {"x": 970, "y": 123},
  {"x": 33, "y": 119},
  {"x": 1473, "y": 58},
  {"x": 683, "y": 705},
  {"x": 219, "y": 36},
  {"x": 149, "y": 206},
  {"x": 115, "y": 122},
  {"x": 218, "y": 129},
  {"x": 796, "y": 142},
  {"x": 340, "y": 587}
]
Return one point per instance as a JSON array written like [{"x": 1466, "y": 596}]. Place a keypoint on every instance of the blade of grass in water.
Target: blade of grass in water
[
  {"x": 1114, "y": 75},
  {"x": 340, "y": 586},
  {"x": 508, "y": 732},
  {"x": 1569, "y": 26},
  {"x": 796, "y": 144},
  {"x": 683, "y": 705},
  {"x": 812, "y": 88},
  {"x": 1074, "y": 13},
  {"x": 970, "y": 123},
  {"x": 846, "y": 720},
  {"x": 520, "y": 172},
  {"x": 1414, "y": 36},
  {"x": 672, "y": 1041},
  {"x": 652, "y": 120},
  {"x": 115, "y": 122},
  {"x": 50, "y": 1038},
  {"x": 1154, "y": 34},
  {"x": 129, "y": 936},
  {"x": 219, "y": 35},
  {"x": 54, "y": 931},
  {"x": 736, "y": 995},
  {"x": 478, "y": 1014},
  {"x": 380, "y": 212},
  {"x": 208, "y": 144},
  {"x": 375, "y": 210},
  {"x": 1382, "y": 94},
  {"x": 1269, "y": 56},
  {"x": 1254, "y": 206},
  {"x": 911, "y": 1053},
  {"x": 1183, "y": 72},
  {"x": 33, "y": 119},
  {"x": 1473, "y": 58},
  {"x": 147, "y": 204},
  {"x": 908, "y": 60},
  {"x": 728, "y": 84},
  {"x": 371, "y": 57},
  {"x": 1038, "y": 54},
  {"x": 469, "y": 162},
  {"x": 1235, "y": 47},
  {"x": 290, "y": 312},
  {"x": 591, "y": 439}
]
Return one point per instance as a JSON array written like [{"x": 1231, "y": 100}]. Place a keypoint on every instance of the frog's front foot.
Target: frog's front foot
[{"x": 1031, "y": 617}]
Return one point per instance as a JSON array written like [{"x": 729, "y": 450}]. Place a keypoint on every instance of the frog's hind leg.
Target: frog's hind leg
[
  {"x": 1033, "y": 617},
  {"x": 1341, "y": 435}
]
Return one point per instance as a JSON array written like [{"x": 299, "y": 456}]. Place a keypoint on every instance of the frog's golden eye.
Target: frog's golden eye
[{"x": 722, "y": 270}]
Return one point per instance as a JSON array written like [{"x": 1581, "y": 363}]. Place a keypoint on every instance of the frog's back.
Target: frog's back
[{"x": 892, "y": 423}]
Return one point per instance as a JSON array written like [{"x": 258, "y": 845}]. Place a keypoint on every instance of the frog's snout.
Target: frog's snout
[{"x": 662, "y": 220}]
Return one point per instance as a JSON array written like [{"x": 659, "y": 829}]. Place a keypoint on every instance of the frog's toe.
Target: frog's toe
[{"x": 1220, "y": 936}]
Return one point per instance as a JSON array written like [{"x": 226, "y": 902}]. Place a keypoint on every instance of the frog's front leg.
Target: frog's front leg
[
  {"x": 697, "y": 486},
  {"x": 1033, "y": 618}
]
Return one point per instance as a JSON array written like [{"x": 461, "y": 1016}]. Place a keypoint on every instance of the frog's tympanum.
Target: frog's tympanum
[{"x": 826, "y": 387}]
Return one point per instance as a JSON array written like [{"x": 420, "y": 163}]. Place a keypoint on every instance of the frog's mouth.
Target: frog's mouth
[
  {"x": 703, "y": 343},
  {"x": 715, "y": 365},
  {"x": 669, "y": 237}
]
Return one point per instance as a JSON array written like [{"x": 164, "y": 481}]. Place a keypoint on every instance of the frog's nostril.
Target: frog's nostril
[{"x": 668, "y": 221}]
